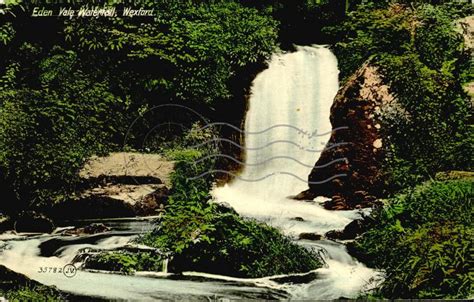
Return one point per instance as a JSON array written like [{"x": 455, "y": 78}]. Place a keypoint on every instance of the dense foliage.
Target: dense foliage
[
  {"x": 74, "y": 91},
  {"x": 125, "y": 262},
  {"x": 423, "y": 240},
  {"x": 47, "y": 133}
]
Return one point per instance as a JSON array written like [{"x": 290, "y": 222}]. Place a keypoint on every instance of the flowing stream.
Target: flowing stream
[{"x": 291, "y": 101}]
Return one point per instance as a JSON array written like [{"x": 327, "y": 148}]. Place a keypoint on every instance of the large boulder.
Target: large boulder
[
  {"x": 356, "y": 118},
  {"x": 121, "y": 184}
]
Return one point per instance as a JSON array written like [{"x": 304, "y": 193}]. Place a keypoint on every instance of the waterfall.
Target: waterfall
[
  {"x": 286, "y": 128},
  {"x": 297, "y": 91}
]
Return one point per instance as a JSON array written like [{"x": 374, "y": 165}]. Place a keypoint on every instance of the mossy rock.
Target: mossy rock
[{"x": 125, "y": 261}]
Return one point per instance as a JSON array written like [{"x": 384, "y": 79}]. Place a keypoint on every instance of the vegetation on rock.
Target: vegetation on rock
[
  {"x": 203, "y": 236},
  {"x": 125, "y": 262}
]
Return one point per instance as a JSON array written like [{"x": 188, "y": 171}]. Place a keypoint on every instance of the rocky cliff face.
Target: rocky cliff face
[{"x": 358, "y": 107}]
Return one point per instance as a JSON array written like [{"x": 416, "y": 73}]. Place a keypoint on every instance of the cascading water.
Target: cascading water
[
  {"x": 286, "y": 128},
  {"x": 294, "y": 96}
]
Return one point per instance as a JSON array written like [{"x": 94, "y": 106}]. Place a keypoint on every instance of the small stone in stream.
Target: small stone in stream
[
  {"x": 310, "y": 236},
  {"x": 305, "y": 195},
  {"x": 33, "y": 222},
  {"x": 297, "y": 219},
  {"x": 334, "y": 235},
  {"x": 351, "y": 231},
  {"x": 94, "y": 228}
]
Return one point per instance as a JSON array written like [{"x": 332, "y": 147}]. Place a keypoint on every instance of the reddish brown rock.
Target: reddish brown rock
[{"x": 358, "y": 137}]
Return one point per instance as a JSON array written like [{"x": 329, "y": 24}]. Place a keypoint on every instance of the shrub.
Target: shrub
[
  {"x": 36, "y": 293},
  {"x": 433, "y": 134}
]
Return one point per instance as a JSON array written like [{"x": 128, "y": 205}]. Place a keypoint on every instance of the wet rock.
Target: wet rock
[
  {"x": 33, "y": 222},
  {"x": 357, "y": 253},
  {"x": 355, "y": 228},
  {"x": 334, "y": 235},
  {"x": 53, "y": 246},
  {"x": 225, "y": 207},
  {"x": 310, "y": 236},
  {"x": 9, "y": 279},
  {"x": 94, "y": 228},
  {"x": 337, "y": 202},
  {"x": 351, "y": 231},
  {"x": 92, "y": 207}
]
